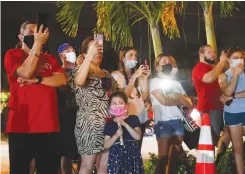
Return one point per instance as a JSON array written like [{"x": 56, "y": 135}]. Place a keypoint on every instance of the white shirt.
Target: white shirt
[
  {"x": 136, "y": 104},
  {"x": 168, "y": 87}
]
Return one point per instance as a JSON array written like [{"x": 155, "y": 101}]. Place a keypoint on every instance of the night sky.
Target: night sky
[{"x": 229, "y": 31}]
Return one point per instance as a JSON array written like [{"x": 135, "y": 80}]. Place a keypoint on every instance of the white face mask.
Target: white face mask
[
  {"x": 71, "y": 57},
  {"x": 236, "y": 62},
  {"x": 130, "y": 63}
]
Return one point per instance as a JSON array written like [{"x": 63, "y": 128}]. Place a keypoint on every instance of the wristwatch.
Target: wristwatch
[
  {"x": 34, "y": 53},
  {"x": 39, "y": 79}
]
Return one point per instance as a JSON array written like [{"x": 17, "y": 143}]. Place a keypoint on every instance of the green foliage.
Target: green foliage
[
  {"x": 187, "y": 164},
  {"x": 68, "y": 16},
  {"x": 116, "y": 18},
  {"x": 227, "y": 8},
  {"x": 150, "y": 165},
  {"x": 113, "y": 22},
  {"x": 225, "y": 165}
]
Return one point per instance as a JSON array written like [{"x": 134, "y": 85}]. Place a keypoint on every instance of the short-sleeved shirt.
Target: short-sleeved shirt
[
  {"x": 168, "y": 87},
  {"x": 33, "y": 108},
  {"x": 111, "y": 127},
  {"x": 238, "y": 104},
  {"x": 208, "y": 93}
]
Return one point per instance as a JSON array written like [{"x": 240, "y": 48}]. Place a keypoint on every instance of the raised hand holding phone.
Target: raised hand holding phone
[
  {"x": 147, "y": 71},
  {"x": 42, "y": 19},
  {"x": 99, "y": 38}
]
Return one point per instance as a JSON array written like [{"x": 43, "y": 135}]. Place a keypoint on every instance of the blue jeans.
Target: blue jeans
[{"x": 169, "y": 128}]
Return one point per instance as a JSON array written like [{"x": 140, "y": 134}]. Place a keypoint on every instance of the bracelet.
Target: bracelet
[
  {"x": 39, "y": 79},
  {"x": 233, "y": 95},
  {"x": 34, "y": 53}
]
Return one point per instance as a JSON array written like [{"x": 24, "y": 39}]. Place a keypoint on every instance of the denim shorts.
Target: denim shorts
[
  {"x": 169, "y": 128},
  {"x": 232, "y": 119}
]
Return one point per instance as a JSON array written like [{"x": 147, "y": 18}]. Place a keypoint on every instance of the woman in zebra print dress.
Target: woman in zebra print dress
[{"x": 91, "y": 86}]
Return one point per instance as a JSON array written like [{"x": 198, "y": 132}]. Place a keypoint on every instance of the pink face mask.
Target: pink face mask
[{"x": 118, "y": 110}]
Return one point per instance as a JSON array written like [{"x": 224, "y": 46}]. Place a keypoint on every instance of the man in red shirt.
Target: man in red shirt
[
  {"x": 33, "y": 116},
  {"x": 205, "y": 77}
]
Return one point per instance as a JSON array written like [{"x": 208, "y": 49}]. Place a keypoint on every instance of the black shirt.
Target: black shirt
[{"x": 111, "y": 127}]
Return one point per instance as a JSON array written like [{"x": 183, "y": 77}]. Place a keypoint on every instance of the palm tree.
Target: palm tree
[
  {"x": 115, "y": 20},
  {"x": 226, "y": 9}
]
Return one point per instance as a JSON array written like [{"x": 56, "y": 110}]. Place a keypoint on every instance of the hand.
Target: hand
[
  {"x": 23, "y": 81},
  {"x": 119, "y": 132},
  {"x": 173, "y": 62},
  {"x": 223, "y": 57},
  {"x": 225, "y": 98},
  {"x": 146, "y": 72},
  {"x": 238, "y": 69},
  {"x": 41, "y": 37},
  {"x": 94, "y": 49},
  {"x": 142, "y": 69},
  {"x": 123, "y": 123}
]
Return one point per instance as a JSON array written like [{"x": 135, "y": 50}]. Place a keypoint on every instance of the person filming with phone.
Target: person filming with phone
[
  {"x": 136, "y": 81},
  {"x": 33, "y": 116},
  {"x": 232, "y": 84},
  {"x": 205, "y": 78}
]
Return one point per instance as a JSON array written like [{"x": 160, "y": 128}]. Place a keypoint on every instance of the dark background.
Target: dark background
[{"x": 229, "y": 31}]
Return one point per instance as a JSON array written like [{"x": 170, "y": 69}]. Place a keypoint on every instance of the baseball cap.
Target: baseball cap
[{"x": 63, "y": 47}]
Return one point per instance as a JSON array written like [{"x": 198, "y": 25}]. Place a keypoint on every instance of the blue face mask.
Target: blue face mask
[{"x": 130, "y": 63}]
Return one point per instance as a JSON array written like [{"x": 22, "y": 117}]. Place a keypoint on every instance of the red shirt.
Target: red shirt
[
  {"x": 33, "y": 108},
  {"x": 208, "y": 93}
]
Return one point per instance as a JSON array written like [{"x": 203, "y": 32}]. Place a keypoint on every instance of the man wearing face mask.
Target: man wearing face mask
[
  {"x": 33, "y": 116},
  {"x": 205, "y": 77},
  {"x": 67, "y": 149}
]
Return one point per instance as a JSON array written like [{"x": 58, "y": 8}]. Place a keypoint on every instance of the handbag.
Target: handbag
[
  {"x": 191, "y": 137},
  {"x": 187, "y": 120}
]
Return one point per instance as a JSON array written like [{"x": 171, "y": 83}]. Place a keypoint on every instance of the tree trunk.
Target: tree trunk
[
  {"x": 209, "y": 27},
  {"x": 157, "y": 45}
]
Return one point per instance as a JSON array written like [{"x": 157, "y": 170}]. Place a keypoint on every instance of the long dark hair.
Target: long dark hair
[{"x": 121, "y": 56}]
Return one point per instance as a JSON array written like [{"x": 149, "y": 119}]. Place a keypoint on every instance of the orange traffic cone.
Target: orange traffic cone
[{"x": 205, "y": 155}]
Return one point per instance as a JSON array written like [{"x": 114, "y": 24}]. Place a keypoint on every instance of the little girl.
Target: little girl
[{"x": 121, "y": 136}]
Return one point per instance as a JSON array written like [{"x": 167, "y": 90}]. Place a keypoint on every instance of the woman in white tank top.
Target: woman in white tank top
[{"x": 134, "y": 80}]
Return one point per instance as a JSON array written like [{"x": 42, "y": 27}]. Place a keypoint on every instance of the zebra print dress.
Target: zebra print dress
[{"x": 93, "y": 104}]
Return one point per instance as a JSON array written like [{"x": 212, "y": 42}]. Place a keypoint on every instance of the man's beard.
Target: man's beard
[{"x": 209, "y": 61}]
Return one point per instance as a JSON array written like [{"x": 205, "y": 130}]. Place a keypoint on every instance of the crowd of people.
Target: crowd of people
[{"x": 80, "y": 111}]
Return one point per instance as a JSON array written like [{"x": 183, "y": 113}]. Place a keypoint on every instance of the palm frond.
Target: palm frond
[
  {"x": 113, "y": 22},
  {"x": 137, "y": 8},
  {"x": 68, "y": 16},
  {"x": 227, "y": 8},
  {"x": 169, "y": 23}
]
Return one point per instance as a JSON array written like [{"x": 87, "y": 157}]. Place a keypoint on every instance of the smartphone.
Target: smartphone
[
  {"x": 42, "y": 18},
  {"x": 99, "y": 38},
  {"x": 146, "y": 63},
  {"x": 228, "y": 103}
]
